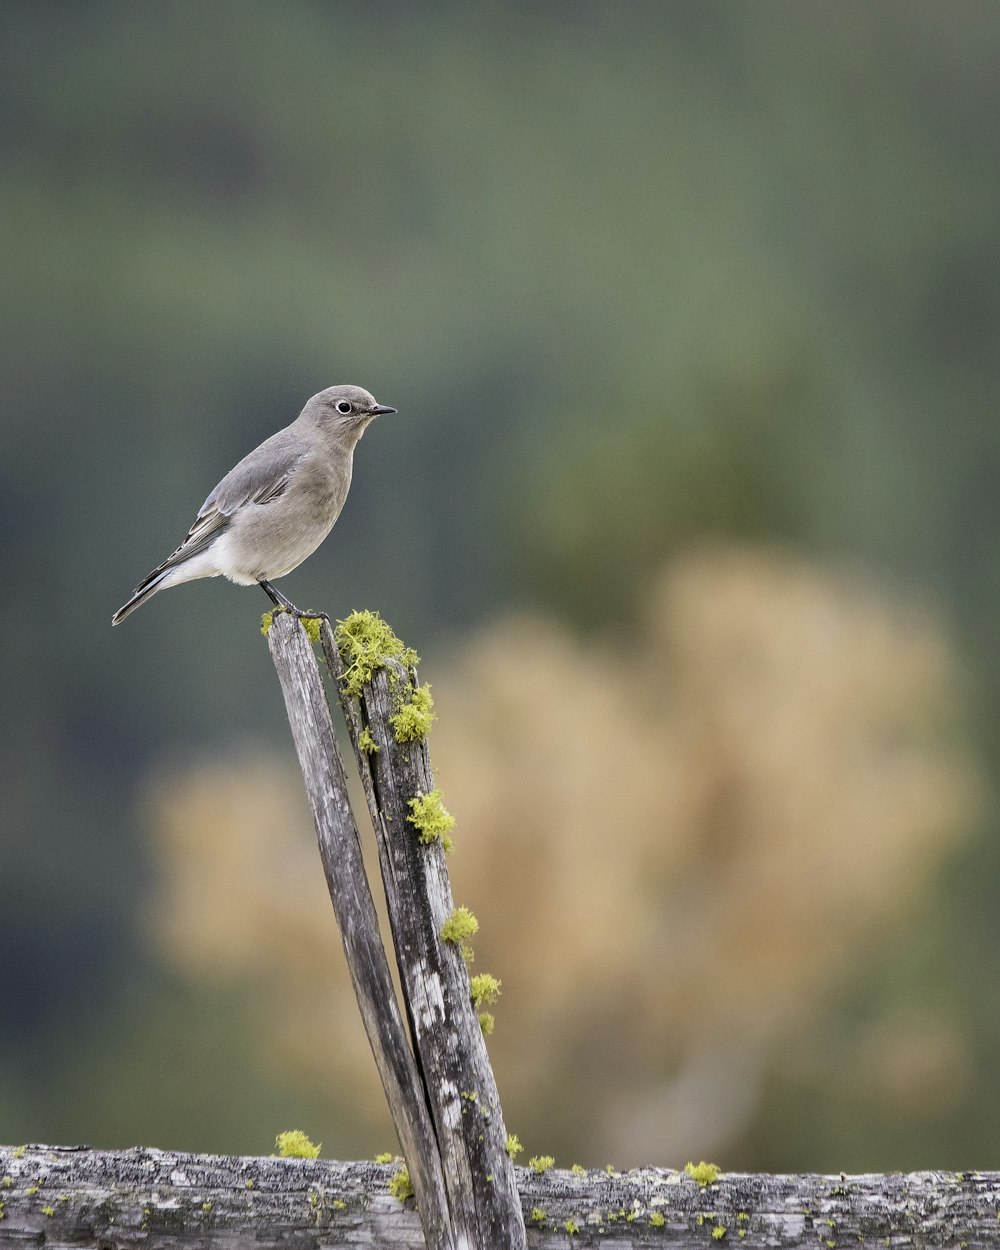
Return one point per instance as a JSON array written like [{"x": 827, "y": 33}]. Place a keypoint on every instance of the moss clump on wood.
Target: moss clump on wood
[
  {"x": 294, "y": 1144},
  {"x": 366, "y": 643},
  {"x": 431, "y": 819},
  {"x": 412, "y": 723}
]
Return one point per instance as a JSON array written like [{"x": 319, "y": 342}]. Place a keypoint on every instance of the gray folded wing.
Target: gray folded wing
[{"x": 259, "y": 477}]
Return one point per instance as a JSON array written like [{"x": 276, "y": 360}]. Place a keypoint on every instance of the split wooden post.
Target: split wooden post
[
  {"x": 441, "y": 1092},
  {"x": 340, "y": 851}
]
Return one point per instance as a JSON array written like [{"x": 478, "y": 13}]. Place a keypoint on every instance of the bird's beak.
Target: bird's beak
[{"x": 381, "y": 409}]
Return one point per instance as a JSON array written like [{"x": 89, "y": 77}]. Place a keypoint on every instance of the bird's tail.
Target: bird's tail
[{"x": 143, "y": 591}]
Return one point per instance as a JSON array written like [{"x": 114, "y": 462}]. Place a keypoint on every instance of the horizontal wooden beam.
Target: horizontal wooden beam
[{"x": 59, "y": 1196}]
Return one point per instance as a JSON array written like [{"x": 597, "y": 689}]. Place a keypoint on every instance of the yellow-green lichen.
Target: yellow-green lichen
[
  {"x": 48, "y": 1209},
  {"x": 704, "y": 1173},
  {"x": 541, "y": 1163},
  {"x": 367, "y": 743},
  {"x": 578, "y": 1169},
  {"x": 32, "y": 1190},
  {"x": 412, "y": 723},
  {"x": 266, "y": 621},
  {"x": 366, "y": 643},
  {"x": 207, "y": 1206},
  {"x": 3, "y": 1209},
  {"x": 571, "y": 1226},
  {"x": 718, "y": 1232},
  {"x": 385, "y": 1157},
  {"x": 460, "y": 926},
  {"x": 296, "y": 1145},
  {"x": 431, "y": 819},
  {"x": 657, "y": 1219},
  {"x": 484, "y": 988},
  {"x": 400, "y": 1185},
  {"x": 537, "y": 1216},
  {"x": 513, "y": 1145},
  {"x": 313, "y": 625},
  {"x": 7, "y": 1181},
  {"x": 19, "y": 1152}
]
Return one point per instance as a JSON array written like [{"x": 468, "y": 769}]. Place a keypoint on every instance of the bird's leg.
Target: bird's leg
[{"x": 280, "y": 601}]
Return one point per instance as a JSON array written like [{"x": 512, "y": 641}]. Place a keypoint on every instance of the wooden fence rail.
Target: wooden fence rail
[{"x": 61, "y": 1197}]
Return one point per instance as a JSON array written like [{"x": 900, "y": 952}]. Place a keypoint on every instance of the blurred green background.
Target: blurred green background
[{"x": 648, "y": 283}]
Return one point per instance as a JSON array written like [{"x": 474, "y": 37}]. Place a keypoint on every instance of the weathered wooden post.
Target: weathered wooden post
[{"x": 442, "y": 1093}]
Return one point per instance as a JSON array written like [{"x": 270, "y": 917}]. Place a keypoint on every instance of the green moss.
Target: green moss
[
  {"x": 484, "y": 988},
  {"x": 657, "y": 1219},
  {"x": 718, "y": 1232},
  {"x": 400, "y": 1185},
  {"x": 296, "y": 1145},
  {"x": 248, "y": 1183},
  {"x": 537, "y": 1216},
  {"x": 460, "y": 926},
  {"x": 412, "y": 723},
  {"x": 266, "y": 621},
  {"x": 48, "y": 1209},
  {"x": 207, "y": 1206},
  {"x": 313, "y": 625},
  {"x": 571, "y": 1226},
  {"x": 367, "y": 743},
  {"x": 339, "y": 1204},
  {"x": 431, "y": 819},
  {"x": 578, "y": 1169},
  {"x": 704, "y": 1173},
  {"x": 385, "y": 1157},
  {"x": 365, "y": 643},
  {"x": 513, "y": 1145},
  {"x": 3, "y": 1209},
  {"x": 19, "y": 1152},
  {"x": 7, "y": 1181},
  {"x": 541, "y": 1163},
  {"x": 32, "y": 1190},
  {"x": 487, "y": 1022}
]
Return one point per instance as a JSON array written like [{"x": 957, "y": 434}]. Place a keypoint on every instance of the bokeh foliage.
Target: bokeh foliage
[{"x": 636, "y": 276}]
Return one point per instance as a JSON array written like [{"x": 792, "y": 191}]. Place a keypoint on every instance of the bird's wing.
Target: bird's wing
[{"x": 260, "y": 477}]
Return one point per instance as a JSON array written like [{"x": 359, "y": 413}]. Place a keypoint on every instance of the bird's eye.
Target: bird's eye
[{"x": 344, "y": 407}]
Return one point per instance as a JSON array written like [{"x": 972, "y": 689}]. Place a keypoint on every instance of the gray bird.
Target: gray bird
[{"x": 276, "y": 506}]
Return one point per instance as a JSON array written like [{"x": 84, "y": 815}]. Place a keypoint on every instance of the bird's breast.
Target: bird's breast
[{"x": 269, "y": 540}]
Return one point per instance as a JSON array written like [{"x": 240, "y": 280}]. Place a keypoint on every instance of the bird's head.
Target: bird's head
[{"x": 345, "y": 410}]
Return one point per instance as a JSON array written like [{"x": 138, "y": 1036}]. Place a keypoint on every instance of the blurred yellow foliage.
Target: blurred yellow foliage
[{"x": 677, "y": 840}]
